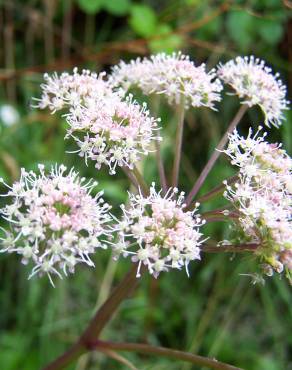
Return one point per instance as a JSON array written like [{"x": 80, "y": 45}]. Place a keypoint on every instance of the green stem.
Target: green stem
[
  {"x": 101, "y": 318},
  {"x": 178, "y": 143},
  {"x": 161, "y": 169},
  {"x": 131, "y": 176},
  {"x": 154, "y": 101},
  {"x": 164, "y": 352},
  {"x": 140, "y": 180},
  {"x": 209, "y": 165}
]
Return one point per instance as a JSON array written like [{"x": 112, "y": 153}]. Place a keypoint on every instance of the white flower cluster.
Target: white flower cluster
[
  {"x": 263, "y": 197},
  {"x": 174, "y": 76},
  {"x": 255, "y": 84},
  {"x": 107, "y": 129},
  {"x": 157, "y": 232},
  {"x": 54, "y": 221}
]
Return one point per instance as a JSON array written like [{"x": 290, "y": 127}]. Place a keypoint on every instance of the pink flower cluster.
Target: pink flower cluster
[
  {"x": 112, "y": 132},
  {"x": 255, "y": 84},
  {"x": 262, "y": 196},
  {"x": 108, "y": 129},
  {"x": 55, "y": 222},
  {"x": 174, "y": 76},
  {"x": 158, "y": 233}
]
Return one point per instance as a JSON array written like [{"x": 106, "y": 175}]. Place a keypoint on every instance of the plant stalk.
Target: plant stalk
[
  {"x": 154, "y": 104},
  {"x": 249, "y": 247},
  {"x": 201, "y": 179},
  {"x": 131, "y": 176},
  {"x": 165, "y": 352},
  {"x": 101, "y": 318},
  {"x": 217, "y": 190},
  {"x": 178, "y": 143},
  {"x": 161, "y": 169},
  {"x": 141, "y": 182}
]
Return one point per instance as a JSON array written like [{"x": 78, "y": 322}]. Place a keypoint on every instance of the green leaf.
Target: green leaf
[
  {"x": 167, "y": 43},
  {"x": 240, "y": 27},
  {"x": 90, "y": 6},
  {"x": 143, "y": 20},
  {"x": 117, "y": 7},
  {"x": 270, "y": 31}
]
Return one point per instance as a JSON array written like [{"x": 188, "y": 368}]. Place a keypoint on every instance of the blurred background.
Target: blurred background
[{"x": 216, "y": 312}]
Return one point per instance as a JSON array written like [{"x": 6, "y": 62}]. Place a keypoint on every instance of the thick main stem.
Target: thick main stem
[
  {"x": 102, "y": 316},
  {"x": 178, "y": 143},
  {"x": 165, "y": 352},
  {"x": 215, "y": 154}
]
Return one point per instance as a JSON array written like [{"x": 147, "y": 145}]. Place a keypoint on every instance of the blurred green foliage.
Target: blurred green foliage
[{"x": 216, "y": 312}]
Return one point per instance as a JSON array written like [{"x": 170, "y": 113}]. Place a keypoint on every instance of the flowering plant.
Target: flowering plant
[{"x": 55, "y": 222}]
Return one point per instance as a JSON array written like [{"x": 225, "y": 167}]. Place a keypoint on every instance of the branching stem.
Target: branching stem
[
  {"x": 164, "y": 352},
  {"x": 201, "y": 179},
  {"x": 100, "y": 319}
]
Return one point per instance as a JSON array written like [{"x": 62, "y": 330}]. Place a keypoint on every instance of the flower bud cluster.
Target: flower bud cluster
[
  {"x": 262, "y": 196},
  {"x": 255, "y": 84},
  {"x": 157, "y": 232},
  {"x": 174, "y": 76},
  {"x": 55, "y": 222}
]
